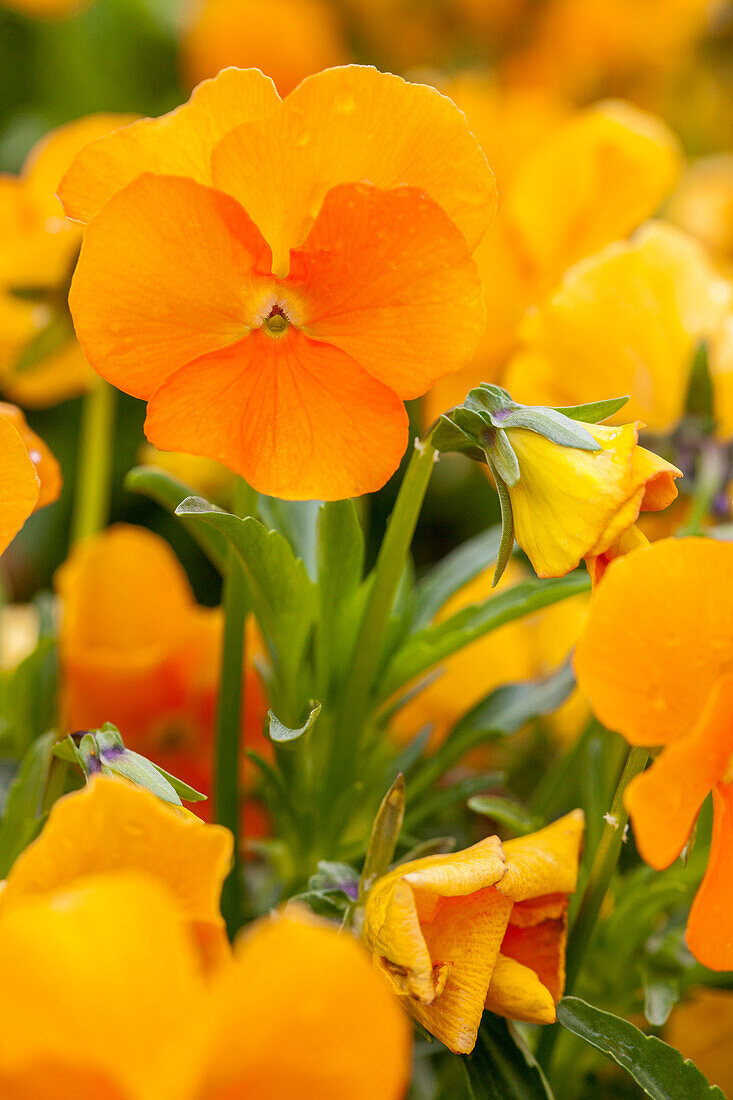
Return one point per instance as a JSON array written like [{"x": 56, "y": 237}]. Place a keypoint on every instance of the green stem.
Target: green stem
[
  {"x": 390, "y": 565},
  {"x": 710, "y": 478},
  {"x": 230, "y": 708},
  {"x": 599, "y": 879},
  {"x": 94, "y": 461}
]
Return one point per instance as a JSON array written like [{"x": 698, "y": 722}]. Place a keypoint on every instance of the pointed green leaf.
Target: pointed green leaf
[
  {"x": 297, "y": 520},
  {"x": 283, "y": 597},
  {"x": 503, "y": 458},
  {"x": 548, "y": 423},
  {"x": 282, "y": 734},
  {"x": 22, "y": 818},
  {"x": 169, "y": 492},
  {"x": 340, "y": 572},
  {"x": 184, "y": 792},
  {"x": 428, "y": 647},
  {"x": 448, "y": 438},
  {"x": 67, "y": 750},
  {"x": 700, "y": 398},
  {"x": 659, "y": 1069},
  {"x": 506, "y": 811},
  {"x": 594, "y": 412},
  {"x": 384, "y": 836},
  {"x": 135, "y": 768},
  {"x": 501, "y": 1066},
  {"x": 453, "y": 572},
  {"x": 506, "y": 546}
]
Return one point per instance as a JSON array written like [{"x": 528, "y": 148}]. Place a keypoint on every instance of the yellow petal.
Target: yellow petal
[
  {"x": 110, "y": 825},
  {"x": 545, "y": 862},
  {"x": 516, "y": 991},
  {"x": 96, "y": 979},
  {"x": 20, "y": 483}
]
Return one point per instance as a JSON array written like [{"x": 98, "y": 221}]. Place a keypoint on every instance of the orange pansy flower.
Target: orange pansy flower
[
  {"x": 286, "y": 39},
  {"x": 656, "y": 661},
  {"x": 31, "y": 474},
  {"x": 136, "y": 650},
  {"x": 273, "y": 310},
  {"x": 481, "y": 928},
  {"x": 40, "y": 360}
]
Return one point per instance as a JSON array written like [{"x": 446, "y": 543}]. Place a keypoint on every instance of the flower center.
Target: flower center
[{"x": 277, "y": 322}]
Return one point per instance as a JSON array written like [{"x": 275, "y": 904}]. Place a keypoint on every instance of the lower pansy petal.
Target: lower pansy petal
[
  {"x": 710, "y": 927},
  {"x": 297, "y": 418},
  {"x": 387, "y": 277},
  {"x": 664, "y": 801}
]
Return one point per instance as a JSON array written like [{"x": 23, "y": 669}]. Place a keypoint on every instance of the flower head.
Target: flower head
[
  {"x": 31, "y": 474},
  {"x": 484, "y": 927},
  {"x": 273, "y": 310},
  {"x": 655, "y": 660}
]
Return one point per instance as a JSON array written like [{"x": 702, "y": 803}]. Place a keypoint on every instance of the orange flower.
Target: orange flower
[
  {"x": 40, "y": 361},
  {"x": 286, "y": 39},
  {"x": 485, "y": 927},
  {"x": 272, "y": 310},
  {"x": 138, "y": 651},
  {"x": 298, "y": 1011},
  {"x": 31, "y": 474},
  {"x": 655, "y": 660}
]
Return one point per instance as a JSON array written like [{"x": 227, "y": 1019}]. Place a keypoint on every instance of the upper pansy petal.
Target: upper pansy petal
[
  {"x": 648, "y": 674},
  {"x": 178, "y": 143},
  {"x": 545, "y": 862},
  {"x": 297, "y": 418},
  {"x": 20, "y": 483},
  {"x": 110, "y": 825},
  {"x": 386, "y": 277},
  {"x": 349, "y": 124},
  {"x": 167, "y": 272},
  {"x": 664, "y": 801},
  {"x": 710, "y": 927}
]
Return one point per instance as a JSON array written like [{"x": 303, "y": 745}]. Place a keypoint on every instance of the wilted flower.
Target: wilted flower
[
  {"x": 655, "y": 660},
  {"x": 485, "y": 927}
]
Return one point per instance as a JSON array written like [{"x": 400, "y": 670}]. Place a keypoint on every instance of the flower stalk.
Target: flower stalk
[{"x": 94, "y": 461}]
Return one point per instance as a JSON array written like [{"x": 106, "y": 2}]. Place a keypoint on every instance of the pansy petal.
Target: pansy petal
[
  {"x": 110, "y": 952},
  {"x": 664, "y": 800},
  {"x": 386, "y": 277},
  {"x": 179, "y": 143},
  {"x": 297, "y": 418},
  {"x": 658, "y": 637},
  {"x": 348, "y": 124},
  {"x": 541, "y": 947},
  {"x": 545, "y": 862},
  {"x": 710, "y": 927},
  {"x": 20, "y": 483},
  {"x": 45, "y": 462},
  {"x": 110, "y": 825},
  {"x": 516, "y": 992},
  {"x": 167, "y": 272},
  {"x": 347, "y": 1035}
]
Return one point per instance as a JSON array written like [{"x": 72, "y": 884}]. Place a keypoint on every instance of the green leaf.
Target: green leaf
[
  {"x": 449, "y": 438},
  {"x": 67, "y": 750},
  {"x": 130, "y": 765},
  {"x": 29, "y": 697},
  {"x": 426, "y": 648},
  {"x": 506, "y": 811},
  {"x": 340, "y": 572},
  {"x": 453, "y": 572},
  {"x": 281, "y": 734},
  {"x": 504, "y": 459},
  {"x": 384, "y": 836},
  {"x": 446, "y": 798},
  {"x": 49, "y": 340},
  {"x": 594, "y": 412},
  {"x": 548, "y": 423},
  {"x": 22, "y": 818},
  {"x": 184, "y": 792},
  {"x": 659, "y": 1069},
  {"x": 283, "y": 596},
  {"x": 504, "y": 711},
  {"x": 506, "y": 547},
  {"x": 297, "y": 520},
  {"x": 169, "y": 492},
  {"x": 501, "y": 1067}
]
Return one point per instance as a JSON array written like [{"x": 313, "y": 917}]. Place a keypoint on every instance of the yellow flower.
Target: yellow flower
[
  {"x": 109, "y": 825},
  {"x": 702, "y": 205},
  {"x": 102, "y": 997},
  {"x": 625, "y": 321},
  {"x": 485, "y": 927},
  {"x": 531, "y": 647},
  {"x": 570, "y": 504}
]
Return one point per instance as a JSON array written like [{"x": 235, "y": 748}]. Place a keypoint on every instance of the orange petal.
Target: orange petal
[
  {"x": 386, "y": 277},
  {"x": 516, "y": 992},
  {"x": 658, "y": 637},
  {"x": 20, "y": 483},
  {"x": 46, "y": 464},
  {"x": 542, "y": 948},
  {"x": 349, "y": 124},
  {"x": 295, "y": 976},
  {"x": 110, "y": 825},
  {"x": 664, "y": 801},
  {"x": 179, "y": 143},
  {"x": 710, "y": 927},
  {"x": 166, "y": 274},
  {"x": 545, "y": 862},
  {"x": 297, "y": 418}
]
